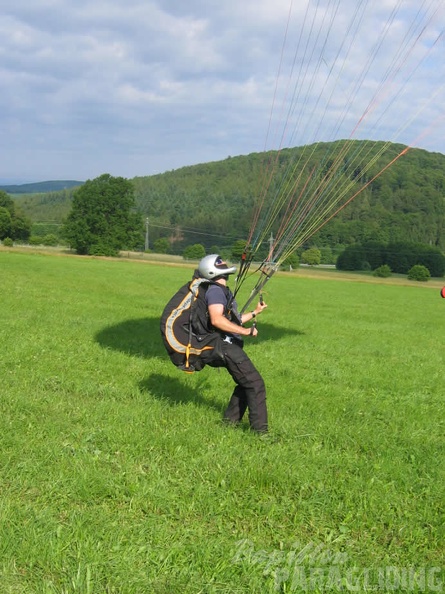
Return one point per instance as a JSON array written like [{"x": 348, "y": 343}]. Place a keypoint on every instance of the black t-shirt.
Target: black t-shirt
[{"x": 219, "y": 295}]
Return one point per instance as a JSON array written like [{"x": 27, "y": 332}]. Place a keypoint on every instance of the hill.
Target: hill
[
  {"x": 41, "y": 187},
  {"x": 212, "y": 203}
]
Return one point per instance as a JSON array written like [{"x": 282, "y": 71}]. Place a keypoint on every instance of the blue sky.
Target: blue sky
[{"x": 138, "y": 87}]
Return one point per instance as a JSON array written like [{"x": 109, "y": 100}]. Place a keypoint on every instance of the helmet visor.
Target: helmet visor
[{"x": 219, "y": 263}]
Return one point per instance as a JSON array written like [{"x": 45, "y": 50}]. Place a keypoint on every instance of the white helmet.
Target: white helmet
[{"x": 213, "y": 266}]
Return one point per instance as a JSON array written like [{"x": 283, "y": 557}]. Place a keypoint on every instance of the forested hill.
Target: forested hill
[
  {"x": 212, "y": 203},
  {"x": 41, "y": 187}
]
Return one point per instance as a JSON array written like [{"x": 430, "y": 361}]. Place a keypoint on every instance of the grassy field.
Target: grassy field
[{"x": 117, "y": 475}]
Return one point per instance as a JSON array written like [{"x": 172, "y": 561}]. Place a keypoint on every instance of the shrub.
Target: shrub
[
  {"x": 311, "y": 256},
  {"x": 291, "y": 262},
  {"x": 327, "y": 257},
  {"x": 102, "y": 248},
  {"x": 7, "y": 242},
  {"x": 237, "y": 249},
  {"x": 50, "y": 240},
  {"x": 194, "y": 252},
  {"x": 161, "y": 246},
  {"x": 383, "y": 271},
  {"x": 419, "y": 273}
]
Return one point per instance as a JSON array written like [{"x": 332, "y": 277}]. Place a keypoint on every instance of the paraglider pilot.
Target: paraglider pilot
[{"x": 250, "y": 390}]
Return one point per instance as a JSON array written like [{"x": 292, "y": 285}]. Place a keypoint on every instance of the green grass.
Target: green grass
[{"x": 117, "y": 475}]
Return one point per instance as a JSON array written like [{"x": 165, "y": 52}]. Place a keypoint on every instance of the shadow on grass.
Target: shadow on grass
[
  {"x": 139, "y": 338},
  {"x": 142, "y": 337},
  {"x": 174, "y": 390}
]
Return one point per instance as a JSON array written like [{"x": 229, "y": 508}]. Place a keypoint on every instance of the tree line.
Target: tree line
[
  {"x": 398, "y": 257},
  {"x": 212, "y": 205},
  {"x": 195, "y": 204}
]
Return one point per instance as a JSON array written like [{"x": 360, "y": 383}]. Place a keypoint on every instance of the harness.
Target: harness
[{"x": 189, "y": 338}]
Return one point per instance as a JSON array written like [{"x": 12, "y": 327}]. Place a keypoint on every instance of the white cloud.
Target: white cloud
[{"x": 133, "y": 87}]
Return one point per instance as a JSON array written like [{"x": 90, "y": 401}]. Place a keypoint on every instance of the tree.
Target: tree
[
  {"x": 375, "y": 253},
  {"x": 402, "y": 256},
  {"x": 194, "y": 252},
  {"x": 102, "y": 220},
  {"x": 20, "y": 226},
  {"x": 161, "y": 246},
  {"x": 352, "y": 258},
  {"x": 5, "y": 223},
  {"x": 6, "y": 202},
  {"x": 432, "y": 258},
  {"x": 291, "y": 262},
  {"x": 238, "y": 249},
  {"x": 13, "y": 223},
  {"x": 312, "y": 256},
  {"x": 327, "y": 257}
]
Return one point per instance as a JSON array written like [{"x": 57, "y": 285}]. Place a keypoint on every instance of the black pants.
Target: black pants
[{"x": 249, "y": 392}]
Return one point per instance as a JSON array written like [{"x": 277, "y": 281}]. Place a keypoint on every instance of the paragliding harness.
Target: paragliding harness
[{"x": 189, "y": 338}]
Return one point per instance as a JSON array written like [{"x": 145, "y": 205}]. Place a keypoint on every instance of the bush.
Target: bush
[
  {"x": 102, "y": 248},
  {"x": 50, "y": 240},
  {"x": 291, "y": 262},
  {"x": 7, "y": 242},
  {"x": 194, "y": 252},
  {"x": 327, "y": 257},
  {"x": 161, "y": 246},
  {"x": 419, "y": 273},
  {"x": 383, "y": 271},
  {"x": 312, "y": 257},
  {"x": 237, "y": 249}
]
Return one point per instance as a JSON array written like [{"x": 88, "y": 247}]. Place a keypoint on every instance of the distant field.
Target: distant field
[
  {"x": 316, "y": 272},
  {"x": 117, "y": 476}
]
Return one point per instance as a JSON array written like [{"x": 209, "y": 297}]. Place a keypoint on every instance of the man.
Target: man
[{"x": 250, "y": 391}]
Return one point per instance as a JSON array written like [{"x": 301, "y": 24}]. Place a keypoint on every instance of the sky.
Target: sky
[{"x": 139, "y": 87}]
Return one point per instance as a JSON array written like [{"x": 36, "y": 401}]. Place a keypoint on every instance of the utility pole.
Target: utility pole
[{"x": 146, "y": 235}]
